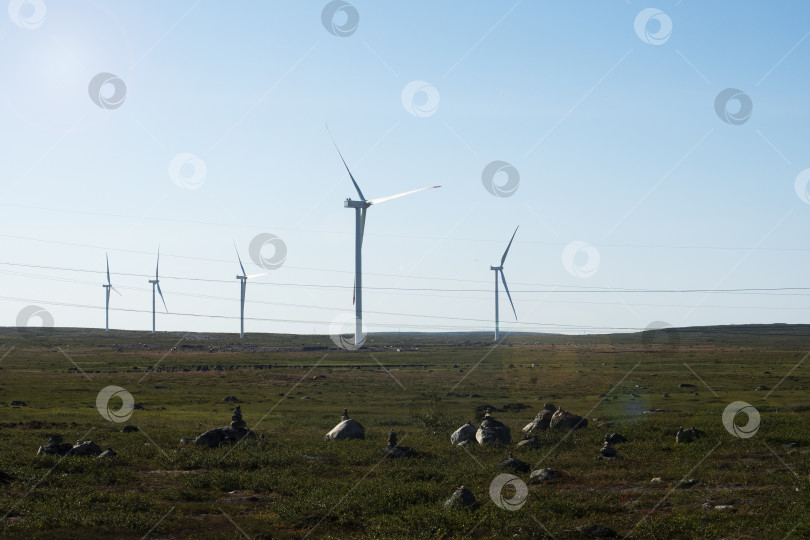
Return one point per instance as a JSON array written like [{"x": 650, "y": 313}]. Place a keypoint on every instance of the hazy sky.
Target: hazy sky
[{"x": 633, "y": 168}]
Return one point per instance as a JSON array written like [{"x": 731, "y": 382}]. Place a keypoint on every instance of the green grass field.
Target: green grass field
[{"x": 292, "y": 483}]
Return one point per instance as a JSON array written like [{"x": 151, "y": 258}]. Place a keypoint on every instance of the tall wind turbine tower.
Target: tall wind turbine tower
[
  {"x": 156, "y": 283},
  {"x": 499, "y": 269},
  {"x": 107, "y": 286},
  {"x": 360, "y": 208},
  {"x": 243, "y": 284}
]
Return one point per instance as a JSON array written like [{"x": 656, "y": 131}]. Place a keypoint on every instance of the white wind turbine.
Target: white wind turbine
[
  {"x": 360, "y": 208},
  {"x": 499, "y": 269},
  {"x": 243, "y": 279},
  {"x": 156, "y": 283},
  {"x": 108, "y": 286}
]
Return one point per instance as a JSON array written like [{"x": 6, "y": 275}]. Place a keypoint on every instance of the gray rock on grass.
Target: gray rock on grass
[
  {"x": 346, "y": 429},
  {"x": 462, "y": 498},
  {"x": 226, "y": 435},
  {"x": 464, "y": 433}
]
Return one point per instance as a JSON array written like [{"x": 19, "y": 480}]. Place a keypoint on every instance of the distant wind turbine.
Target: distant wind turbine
[
  {"x": 360, "y": 208},
  {"x": 156, "y": 283},
  {"x": 243, "y": 279},
  {"x": 499, "y": 269},
  {"x": 108, "y": 286}
]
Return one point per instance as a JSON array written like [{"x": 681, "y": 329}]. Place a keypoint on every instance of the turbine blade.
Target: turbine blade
[
  {"x": 108, "y": 269},
  {"x": 251, "y": 276},
  {"x": 157, "y": 265},
  {"x": 362, "y": 198},
  {"x": 116, "y": 290},
  {"x": 384, "y": 199},
  {"x": 507, "y": 247},
  {"x": 240, "y": 259},
  {"x": 503, "y": 279},
  {"x": 161, "y": 297},
  {"x": 354, "y": 291}
]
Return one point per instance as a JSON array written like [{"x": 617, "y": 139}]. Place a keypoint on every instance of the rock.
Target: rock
[
  {"x": 550, "y": 407},
  {"x": 107, "y": 454},
  {"x": 596, "y": 531},
  {"x": 543, "y": 475},
  {"x": 393, "y": 449},
  {"x": 688, "y": 435},
  {"x": 493, "y": 431},
  {"x": 346, "y": 429},
  {"x": 656, "y": 480},
  {"x": 724, "y": 507},
  {"x": 461, "y": 498},
  {"x": 686, "y": 385},
  {"x": 529, "y": 441},
  {"x": 230, "y": 399},
  {"x": 221, "y": 435},
  {"x": 608, "y": 451},
  {"x": 86, "y": 448},
  {"x": 129, "y": 429},
  {"x": 760, "y": 388},
  {"x": 186, "y": 441},
  {"x": 463, "y": 434},
  {"x": 55, "y": 446},
  {"x": 540, "y": 422},
  {"x": 686, "y": 484},
  {"x": 791, "y": 445},
  {"x": 513, "y": 464},
  {"x": 614, "y": 438},
  {"x": 17, "y": 403},
  {"x": 566, "y": 420}
]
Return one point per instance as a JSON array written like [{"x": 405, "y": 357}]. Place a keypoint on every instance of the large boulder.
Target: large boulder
[
  {"x": 464, "y": 433},
  {"x": 543, "y": 475},
  {"x": 55, "y": 447},
  {"x": 688, "y": 435},
  {"x": 225, "y": 435},
  {"x": 461, "y": 498},
  {"x": 540, "y": 422},
  {"x": 86, "y": 448},
  {"x": 347, "y": 429},
  {"x": 222, "y": 435},
  {"x": 529, "y": 441},
  {"x": 514, "y": 464},
  {"x": 493, "y": 431},
  {"x": 566, "y": 420}
]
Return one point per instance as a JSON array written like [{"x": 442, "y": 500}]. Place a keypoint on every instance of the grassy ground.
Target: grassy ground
[{"x": 293, "y": 483}]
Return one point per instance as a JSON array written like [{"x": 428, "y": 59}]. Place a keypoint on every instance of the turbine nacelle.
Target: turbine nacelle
[{"x": 348, "y": 203}]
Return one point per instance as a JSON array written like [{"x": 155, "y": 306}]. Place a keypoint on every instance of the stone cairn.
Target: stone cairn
[
  {"x": 228, "y": 434},
  {"x": 236, "y": 419}
]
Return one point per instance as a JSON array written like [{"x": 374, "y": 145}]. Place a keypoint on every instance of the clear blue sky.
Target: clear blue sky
[{"x": 616, "y": 140}]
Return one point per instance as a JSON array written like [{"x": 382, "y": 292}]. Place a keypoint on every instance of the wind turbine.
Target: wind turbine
[
  {"x": 360, "y": 208},
  {"x": 156, "y": 283},
  {"x": 243, "y": 279},
  {"x": 498, "y": 269},
  {"x": 108, "y": 286}
]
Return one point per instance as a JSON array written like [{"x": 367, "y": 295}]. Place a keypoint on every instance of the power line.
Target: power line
[{"x": 556, "y": 290}]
